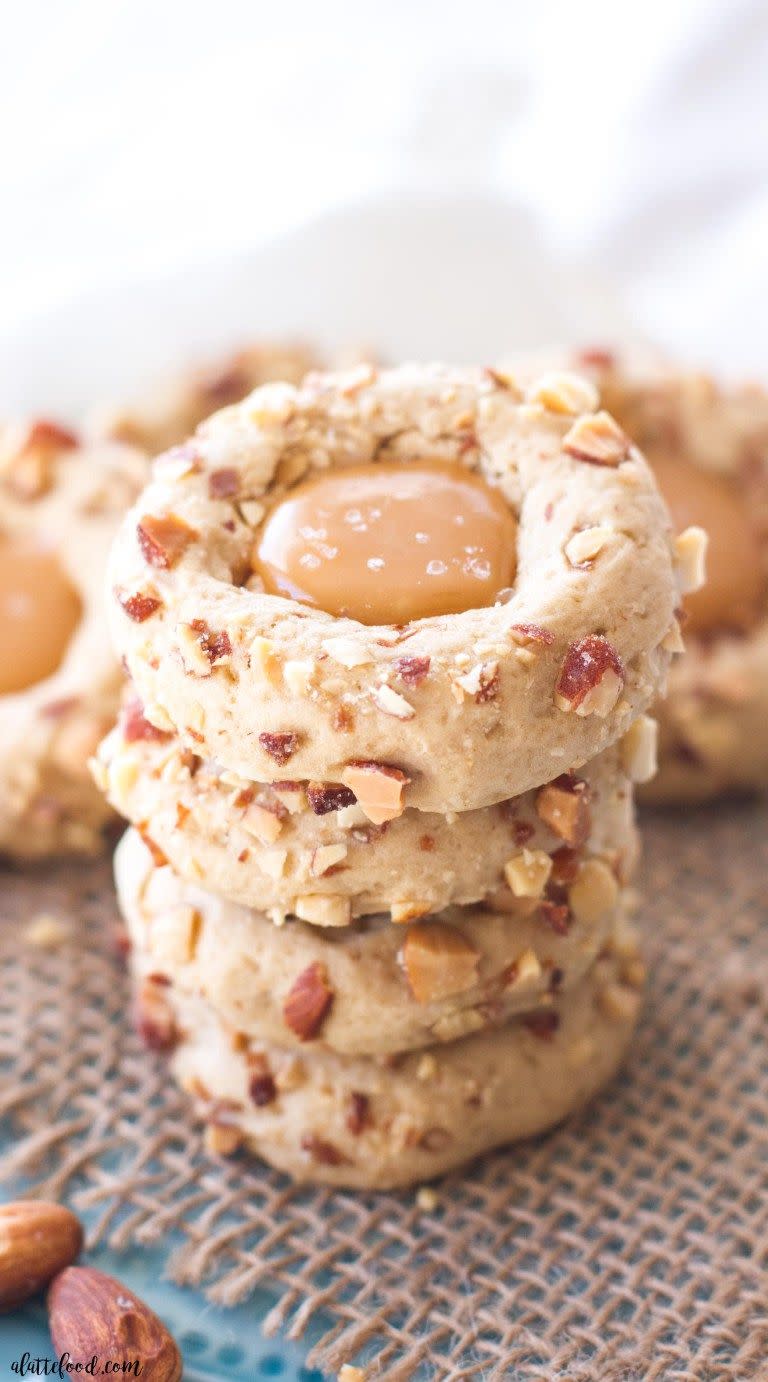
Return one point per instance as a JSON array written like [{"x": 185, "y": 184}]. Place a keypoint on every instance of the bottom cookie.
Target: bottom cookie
[{"x": 379, "y": 1124}]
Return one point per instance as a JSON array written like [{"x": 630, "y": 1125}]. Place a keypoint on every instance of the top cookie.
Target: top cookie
[{"x": 449, "y": 712}]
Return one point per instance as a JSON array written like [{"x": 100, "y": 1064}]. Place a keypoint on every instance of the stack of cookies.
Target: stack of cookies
[{"x": 392, "y": 636}]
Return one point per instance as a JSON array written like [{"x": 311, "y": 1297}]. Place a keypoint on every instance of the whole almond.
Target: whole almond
[
  {"x": 37, "y": 1240},
  {"x": 90, "y": 1313}
]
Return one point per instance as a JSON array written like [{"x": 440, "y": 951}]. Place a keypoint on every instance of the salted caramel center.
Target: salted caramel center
[
  {"x": 39, "y": 612},
  {"x": 736, "y": 584},
  {"x": 387, "y": 543}
]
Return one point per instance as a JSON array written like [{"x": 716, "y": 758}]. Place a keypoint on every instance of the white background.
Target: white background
[{"x": 442, "y": 179}]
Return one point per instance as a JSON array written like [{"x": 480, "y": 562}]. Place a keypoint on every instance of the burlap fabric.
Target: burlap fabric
[{"x": 631, "y": 1244}]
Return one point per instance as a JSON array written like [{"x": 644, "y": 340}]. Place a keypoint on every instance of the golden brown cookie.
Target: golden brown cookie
[
  {"x": 172, "y": 410},
  {"x": 707, "y": 442},
  {"x": 299, "y": 849},
  {"x": 347, "y": 1120},
  {"x": 60, "y": 682},
  {"x": 448, "y": 712},
  {"x": 370, "y": 988}
]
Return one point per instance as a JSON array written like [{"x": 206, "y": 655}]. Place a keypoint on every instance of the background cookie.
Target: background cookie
[
  {"x": 60, "y": 682},
  {"x": 708, "y": 445},
  {"x": 455, "y": 711},
  {"x": 175, "y": 407},
  {"x": 371, "y": 988}
]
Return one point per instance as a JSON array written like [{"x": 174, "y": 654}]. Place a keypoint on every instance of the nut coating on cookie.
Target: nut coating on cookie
[{"x": 465, "y": 704}]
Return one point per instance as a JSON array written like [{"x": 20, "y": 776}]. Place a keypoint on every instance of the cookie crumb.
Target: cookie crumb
[
  {"x": 427, "y": 1199},
  {"x": 349, "y": 1373},
  {"x": 47, "y": 932}
]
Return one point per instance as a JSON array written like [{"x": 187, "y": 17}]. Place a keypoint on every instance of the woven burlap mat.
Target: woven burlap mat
[{"x": 630, "y": 1244}]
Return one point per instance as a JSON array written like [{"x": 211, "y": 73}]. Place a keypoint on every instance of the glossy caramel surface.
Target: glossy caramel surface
[
  {"x": 39, "y": 612},
  {"x": 735, "y": 588},
  {"x": 386, "y": 543}
]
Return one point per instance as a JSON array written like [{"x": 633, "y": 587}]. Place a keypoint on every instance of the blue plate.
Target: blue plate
[{"x": 217, "y": 1345}]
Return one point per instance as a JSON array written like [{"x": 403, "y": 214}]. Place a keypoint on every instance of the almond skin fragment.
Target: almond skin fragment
[
  {"x": 30, "y": 474},
  {"x": 308, "y": 1002},
  {"x": 358, "y": 1113},
  {"x": 438, "y": 961},
  {"x": 378, "y": 787},
  {"x": 533, "y": 633},
  {"x": 262, "y": 1089},
  {"x": 412, "y": 670},
  {"x": 279, "y": 746},
  {"x": 224, "y": 483},
  {"x": 329, "y": 796},
  {"x": 542, "y": 1024},
  {"x": 598, "y": 440},
  {"x": 163, "y": 539},
  {"x": 139, "y": 606},
  {"x": 154, "y": 1018},
  {"x": 215, "y": 643},
  {"x": 563, "y": 805},
  {"x": 135, "y": 725},
  {"x": 323, "y": 1152},
  {"x": 38, "y": 1239},
  {"x": 91, "y": 1313},
  {"x": 591, "y": 677}
]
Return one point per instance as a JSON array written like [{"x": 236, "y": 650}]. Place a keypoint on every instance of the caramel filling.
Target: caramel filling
[
  {"x": 39, "y": 612},
  {"x": 387, "y": 543},
  {"x": 735, "y": 586}
]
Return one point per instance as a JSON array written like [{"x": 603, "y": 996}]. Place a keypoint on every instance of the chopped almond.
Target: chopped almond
[
  {"x": 598, "y": 440},
  {"x": 563, "y": 805},
  {"x": 378, "y": 787},
  {"x": 594, "y": 892},
  {"x": 591, "y": 677},
  {"x": 163, "y": 539},
  {"x": 527, "y": 873},
  {"x": 438, "y": 961},
  {"x": 308, "y": 1002}
]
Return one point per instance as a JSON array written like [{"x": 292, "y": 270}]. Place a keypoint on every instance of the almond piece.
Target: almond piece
[
  {"x": 139, "y": 606},
  {"x": 325, "y": 797},
  {"x": 563, "y": 392},
  {"x": 691, "y": 559},
  {"x": 155, "y": 1021},
  {"x": 527, "y": 873},
  {"x": 563, "y": 805},
  {"x": 163, "y": 539},
  {"x": 392, "y": 703},
  {"x": 598, "y": 440},
  {"x": 438, "y": 961},
  {"x": 38, "y": 1239},
  {"x": 594, "y": 892},
  {"x": 308, "y": 1002},
  {"x": 525, "y": 969},
  {"x": 639, "y": 749},
  {"x": 348, "y": 652},
  {"x": 585, "y": 545},
  {"x": 264, "y": 825},
  {"x": 323, "y": 909},
  {"x": 174, "y": 934},
  {"x": 326, "y": 857},
  {"x": 378, "y": 787},
  {"x": 279, "y": 745},
  {"x": 91, "y": 1313},
  {"x": 404, "y": 910},
  {"x": 591, "y": 677}
]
